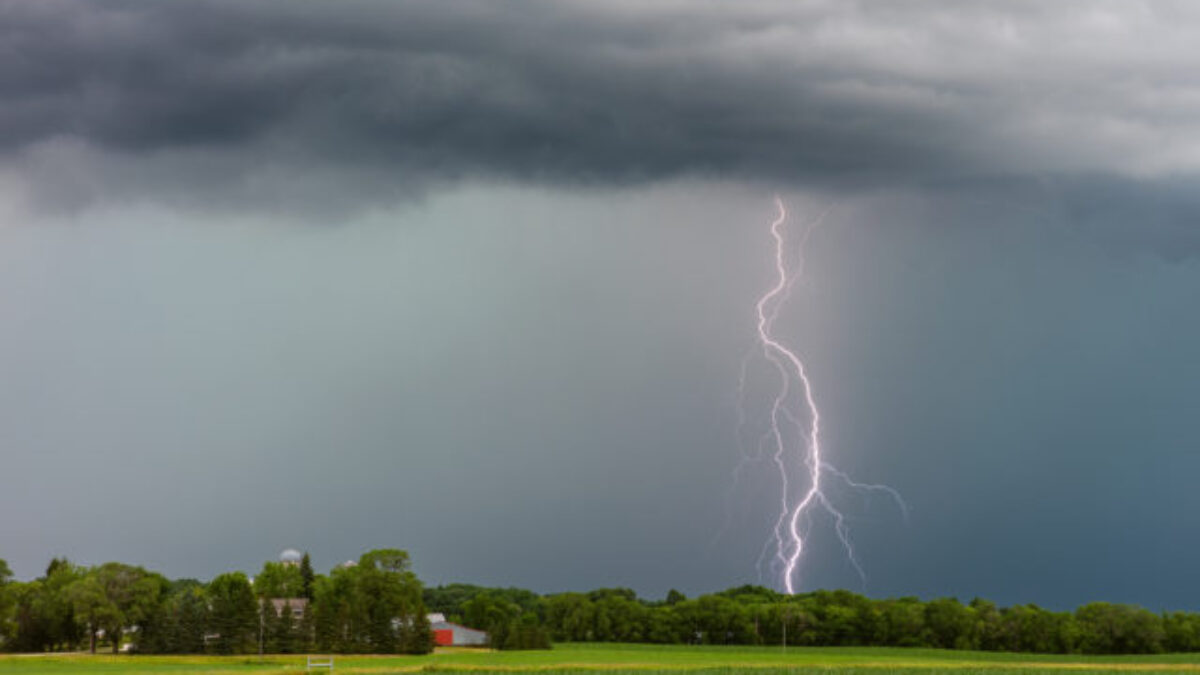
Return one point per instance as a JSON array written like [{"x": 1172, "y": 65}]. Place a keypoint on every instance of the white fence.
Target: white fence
[{"x": 320, "y": 662}]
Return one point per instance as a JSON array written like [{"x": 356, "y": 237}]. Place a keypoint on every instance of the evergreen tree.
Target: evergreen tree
[
  {"x": 57, "y": 613},
  {"x": 191, "y": 620},
  {"x": 267, "y": 628},
  {"x": 306, "y": 577},
  {"x": 280, "y": 628},
  {"x": 304, "y": 630},
  {"x": 285, "y": 631},
  {"x": 419, "y": 640},
  {"x": 234, "y": 613}
]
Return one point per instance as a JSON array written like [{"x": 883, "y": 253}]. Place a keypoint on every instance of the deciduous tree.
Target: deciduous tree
[{"x": 234, "y": 613}]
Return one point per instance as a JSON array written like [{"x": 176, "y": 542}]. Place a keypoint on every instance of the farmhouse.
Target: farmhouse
[
  {"x": 294, "y": 605},
  {"x": 447, "y": 634}
]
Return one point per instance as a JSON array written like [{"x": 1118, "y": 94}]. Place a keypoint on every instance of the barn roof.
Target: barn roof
[{"x": 449, "y": 625}]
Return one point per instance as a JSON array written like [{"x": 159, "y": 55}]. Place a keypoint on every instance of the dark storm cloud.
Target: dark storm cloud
[{"x": 326, "y": 104}]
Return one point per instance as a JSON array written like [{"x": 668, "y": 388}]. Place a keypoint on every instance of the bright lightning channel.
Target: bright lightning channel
[{"x": 789, "y": 535}]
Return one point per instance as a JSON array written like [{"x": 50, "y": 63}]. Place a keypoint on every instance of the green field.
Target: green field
[{"x": 623, "y": 658}]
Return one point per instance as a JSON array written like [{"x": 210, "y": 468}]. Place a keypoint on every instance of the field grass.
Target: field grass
[{"x": 577, "y": 658}]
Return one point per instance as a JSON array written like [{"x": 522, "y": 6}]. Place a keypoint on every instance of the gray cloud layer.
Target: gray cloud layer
[
  {"x": 548, "y": 366},
  {"x": 326, "y": 104},
  {"x": 530, "y": 387}
]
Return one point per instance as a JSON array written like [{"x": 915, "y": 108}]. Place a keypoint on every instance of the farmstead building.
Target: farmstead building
[{"x": 447, "y": 634}]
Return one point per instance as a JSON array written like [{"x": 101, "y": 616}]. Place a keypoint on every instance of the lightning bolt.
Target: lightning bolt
[{"x": 794, "y": 431}]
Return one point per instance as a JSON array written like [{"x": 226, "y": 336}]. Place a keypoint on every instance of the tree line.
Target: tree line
[
  {"x": 754, "y": 615},
  {"x": 378, "y": 605},
  {"x": 374, "y": 605}
]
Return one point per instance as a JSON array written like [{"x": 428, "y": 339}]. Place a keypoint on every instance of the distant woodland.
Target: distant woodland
[{"x": 377, "y": 605}]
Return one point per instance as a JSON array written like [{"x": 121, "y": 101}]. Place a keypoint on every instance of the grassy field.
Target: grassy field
[{"x": 622, "y": 658}]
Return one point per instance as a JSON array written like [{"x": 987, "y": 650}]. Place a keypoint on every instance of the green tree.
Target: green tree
[
  {"x": 374, "y": 606},
  {"x": 525, "y": 632},
  {"x": 56, "y": 611},
  {"x": 27, "y": 629},
  {"x": 841, "y": 618},
  {"x": 1029, "y": 628},
  {"x": 305, "y": 627},
  {"x": 903, "y": 623},
  {"x": 266, "y": 627},
  {"x": 490, "y": 612},
  {"x": 664, "y": 626},
  {"x": 180, "y": 623},
  {"x": 988, "y": 626},
  {"x": 778, "y": 620},
  {"x": 391, "y": 601},
  {"x": 713, "y": 619},
  {"x": 747, "y": 594},
  {"x": 133, "y": 593},
  {"x": 40, "y": 616},
  {"x": 1106, "y": 628},
  {"x": 192, "y": 620},
  {"x": 568, "y": 616},
  {"x": 450, "y": 598},
  {"x": 278, "y": 580},
  {"x": 338, "y": 613},
  {"x": 306, "y": 577},
  {"x": 508, "y": 627},
  {"x": 284, "y": 630},
  {"x": 233, "y": 613},
  {"x": 279, "y": 627},
  {"x": 617, "y": 618},
  {"x": 1181, "y": 632},
  {"x": 6, "y": 604},
  {"x": 950, "y": 625},
  {"x": 91, "y": 606}
]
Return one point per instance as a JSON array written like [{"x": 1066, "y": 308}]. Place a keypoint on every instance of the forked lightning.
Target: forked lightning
[{"x": 801, "y": 466}]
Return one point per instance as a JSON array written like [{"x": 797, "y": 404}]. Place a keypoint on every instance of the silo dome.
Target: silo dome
[{"x": 290, "y": 556}]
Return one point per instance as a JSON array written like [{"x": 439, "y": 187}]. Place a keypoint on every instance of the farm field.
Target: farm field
[{"x": 623, "y": 658}]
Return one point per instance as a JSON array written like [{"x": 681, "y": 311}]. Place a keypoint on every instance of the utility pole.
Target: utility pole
[{"x": 261, "y": 626}]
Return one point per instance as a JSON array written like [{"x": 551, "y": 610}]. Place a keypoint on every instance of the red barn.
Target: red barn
[{"x": 446, "y": 634}]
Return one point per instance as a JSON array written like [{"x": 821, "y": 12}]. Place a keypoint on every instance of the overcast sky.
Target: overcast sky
[{"x": 476, "y": 279}]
